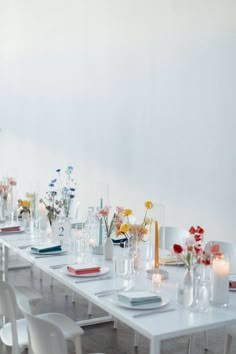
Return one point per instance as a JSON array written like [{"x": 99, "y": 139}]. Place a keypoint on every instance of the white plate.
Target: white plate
[
  {"x": 46, "y": 253},
  {"x": 103, "y": 270},
  {"x": 151, "y": 306},
  {"x": 232, "y": 277}
]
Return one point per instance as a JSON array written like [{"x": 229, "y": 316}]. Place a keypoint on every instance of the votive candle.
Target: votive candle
[{"x": 156, "y": 280}]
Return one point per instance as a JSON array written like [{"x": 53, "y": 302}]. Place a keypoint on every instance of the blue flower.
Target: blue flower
[
  {"x": 51, "y": 185},
  {"x": 54, "y": 180},
  {"x": 58, "y": 170},
  {"x": 65, "y": 190},
  {"x": 72, "y": 189},
  {"x": 71, "y": 196},
  {"x": 69, "y": 169}
]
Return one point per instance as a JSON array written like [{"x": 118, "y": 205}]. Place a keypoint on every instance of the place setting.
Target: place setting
[{"x": 46, "y": 250}]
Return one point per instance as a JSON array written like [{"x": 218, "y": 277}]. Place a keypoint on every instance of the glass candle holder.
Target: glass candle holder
[{"x": 220, "y": 280}]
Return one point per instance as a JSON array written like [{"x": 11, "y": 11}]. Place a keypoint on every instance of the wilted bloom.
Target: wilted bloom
[{"x": 177, "y": 248}]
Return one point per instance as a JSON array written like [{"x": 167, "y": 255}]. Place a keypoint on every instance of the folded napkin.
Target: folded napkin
[
  {"x": 135, "y": 298},
  {"x": 10, "y": 228},
  {"x": 83, "y": 269},
  {"x": 47, "y": 248},
  {"x": 169, "y": 259},
  {"x": 232, "y": 284}
]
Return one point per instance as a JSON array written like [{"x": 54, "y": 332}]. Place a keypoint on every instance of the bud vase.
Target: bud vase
[
  {"x": 108, "y": 249},
  {"x": 185, "y": 289}
]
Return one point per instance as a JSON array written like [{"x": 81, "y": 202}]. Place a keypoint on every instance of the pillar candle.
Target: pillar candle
[
  {"x": 220, "y": 280},
  {"x": 156, "y": 246},
  {"x": 100, "y": 224}
]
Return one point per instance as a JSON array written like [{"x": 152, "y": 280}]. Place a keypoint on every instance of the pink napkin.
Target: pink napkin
[
  {"x": 10, "y": 228},
  {"x": 83, "y": 269}
]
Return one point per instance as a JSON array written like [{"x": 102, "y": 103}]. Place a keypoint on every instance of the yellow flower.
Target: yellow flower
[
  {"x": 25, "y": 203},
  {"x": 127, "y": 212},
  {"x": 124, "y": 228},
  {"x": 148, "y": 204}
]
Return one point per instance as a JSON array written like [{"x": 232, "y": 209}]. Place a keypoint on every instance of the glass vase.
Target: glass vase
[
  {"x": 108, "y": 249},
  {"x": 185, "y": 289}
]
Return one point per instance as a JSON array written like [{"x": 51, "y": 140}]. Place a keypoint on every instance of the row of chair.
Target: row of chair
[{"x": 41, "y": 333}]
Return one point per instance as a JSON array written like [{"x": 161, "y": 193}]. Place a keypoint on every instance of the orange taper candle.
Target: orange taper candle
[{"x": 156, "y": 254}]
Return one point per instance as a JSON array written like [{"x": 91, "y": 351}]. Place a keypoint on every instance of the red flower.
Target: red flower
[
  {"x": 192, "y": 230},
  {"x": 197, "y": 237},
  {"x": 177, "y": 248},
  {"x": 200, "y": 230}
]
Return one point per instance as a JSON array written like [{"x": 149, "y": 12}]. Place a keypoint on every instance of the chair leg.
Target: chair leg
[
  {"x": 51, "y": 282},
  {"x": 190, "y": 344},
  {"x": 205, "y": 341},
  {"x": 115, "y": 323},
  {"x": 41, "y": 275},
  {"x": 89, "y": 309},
  {"x": 228, "y": 344},
  {"x": 136, "y": 339},
  {"x": 77, "y": 343}
]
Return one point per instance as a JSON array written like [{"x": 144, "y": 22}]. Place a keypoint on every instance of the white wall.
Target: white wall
[{"x": 139, "y": 94}]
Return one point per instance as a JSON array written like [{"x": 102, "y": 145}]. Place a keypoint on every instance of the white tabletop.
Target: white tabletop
[{"x": 156, "y": 326}]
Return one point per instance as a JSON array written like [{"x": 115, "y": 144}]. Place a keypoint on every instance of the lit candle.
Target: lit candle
[
  {"x": 100, "y": 224},
  {"x": 156, "y": 280},
  {"x": 156, "y": 245},
  {"x": 220, "y": 280}
]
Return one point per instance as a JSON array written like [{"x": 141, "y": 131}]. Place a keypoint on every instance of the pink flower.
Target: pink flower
[
  {"x": 214, "y": 248},
  {"x": 103, "y": 212},
  {"x": 119, "y": 209},
  {"x": 11, "y": 181}
]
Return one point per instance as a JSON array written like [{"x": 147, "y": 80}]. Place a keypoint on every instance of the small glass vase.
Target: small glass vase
[
  {"x": 201, "y": 291},
  {"x": 185, "y": 289}
]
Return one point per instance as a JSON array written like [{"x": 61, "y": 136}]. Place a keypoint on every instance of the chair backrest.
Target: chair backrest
[
  {"x": 45, "y": 337},
  {"x": 8, "y": 308},
  {"x": 170, "y": 235},
  {"x": 227, "y": 248}
]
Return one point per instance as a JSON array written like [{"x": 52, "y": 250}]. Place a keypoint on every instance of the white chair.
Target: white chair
[
  {"x": 168, "y": 235},
  {"x": 14, "y": 333},
  {"x": 46, "y": 337}
]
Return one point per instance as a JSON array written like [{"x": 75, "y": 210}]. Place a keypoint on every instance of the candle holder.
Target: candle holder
[
  {"x": 220, "y": 281},
  {"x": 163, "y": 273}
]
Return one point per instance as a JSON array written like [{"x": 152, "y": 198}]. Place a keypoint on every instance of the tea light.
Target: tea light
[
  {"x": 92, "y": 243},
  {"x": 220, "y": 280},
  {"x": 156, "y": 280}
]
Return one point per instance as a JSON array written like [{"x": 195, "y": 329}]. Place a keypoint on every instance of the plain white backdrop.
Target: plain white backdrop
[{"x": 137, "y": 94}]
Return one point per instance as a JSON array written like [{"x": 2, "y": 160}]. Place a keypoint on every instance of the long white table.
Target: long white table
[{"x": 156, "y": 326}]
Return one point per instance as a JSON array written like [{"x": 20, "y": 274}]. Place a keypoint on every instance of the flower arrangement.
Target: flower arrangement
[
  {"x": 103, "y": 214},
  {"x": 60, "y": 195},
  {"x": 134, "y": 232},
  {"x": 193, "y": 252},
  {"x": 6, "y": 187},
  {"x": 24, "y": 206}
]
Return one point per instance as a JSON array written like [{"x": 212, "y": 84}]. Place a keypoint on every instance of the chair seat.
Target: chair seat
[
  {"x": 68, "y": 327},
  {"x": 6, "y": 334}
]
